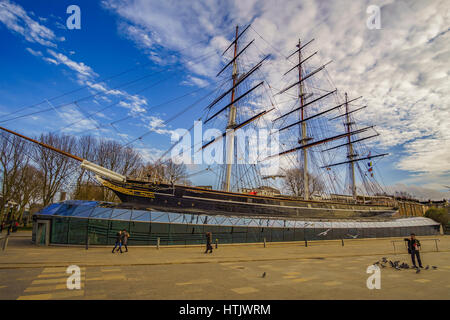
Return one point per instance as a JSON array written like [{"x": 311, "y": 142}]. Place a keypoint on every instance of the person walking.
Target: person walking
[
  {"x": 413, "y": 249},
  {"x": 208, "y": 242},
  {"x": 118, "y": 243},
  {"x": 125, "y": 236}
]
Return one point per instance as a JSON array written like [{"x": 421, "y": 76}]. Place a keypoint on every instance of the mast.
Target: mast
[
  {"x": 350, "y": 154},
  {"x": 303, "y": 125},
  {"x": 231, "y": 120}
]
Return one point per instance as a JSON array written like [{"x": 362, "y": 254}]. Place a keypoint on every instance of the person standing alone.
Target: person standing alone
[
  {"x": 208, "y": 242},
  {"x": 413, "y": 249}
]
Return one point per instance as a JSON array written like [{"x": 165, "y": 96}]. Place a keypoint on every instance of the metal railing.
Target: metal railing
[{"x": 422, "y": 240}]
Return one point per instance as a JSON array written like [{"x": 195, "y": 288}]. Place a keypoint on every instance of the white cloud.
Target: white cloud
[
  {"x": 16, "y": 19},
  {"x": 34, "y": 53},
  {"x": 421, "y": 193},
  {"x": 79, "y": 67},
  {"x": 157, "y": 125},
  {"x": 199, "y": 82}
]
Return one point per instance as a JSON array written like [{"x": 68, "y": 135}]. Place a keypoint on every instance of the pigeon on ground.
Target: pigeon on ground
[
  {"x": 264, "y": 275},
  {"x": 427, "y": 267},
  {"x": 434, "y": 267}
]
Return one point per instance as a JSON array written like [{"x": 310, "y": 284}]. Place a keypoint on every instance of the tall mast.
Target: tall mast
[
  {"x": 303, "y": 124},
  {"x": 350, "y": 154},
  {"x": 231, "y": 121}
]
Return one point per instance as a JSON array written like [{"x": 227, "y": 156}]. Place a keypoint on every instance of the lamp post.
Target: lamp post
[
  {"x": 10, "y": 205},
  {"x": 10, "y": 217}
]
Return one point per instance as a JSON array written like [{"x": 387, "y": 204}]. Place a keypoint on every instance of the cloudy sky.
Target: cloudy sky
[{"x": 131, "y": 60}]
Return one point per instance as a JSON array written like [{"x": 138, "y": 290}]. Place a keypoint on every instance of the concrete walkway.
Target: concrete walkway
[{"x": 323, "y": 270}]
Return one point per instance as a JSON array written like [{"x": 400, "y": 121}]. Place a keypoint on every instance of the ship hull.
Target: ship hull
[{"x": 166, "y": 197}]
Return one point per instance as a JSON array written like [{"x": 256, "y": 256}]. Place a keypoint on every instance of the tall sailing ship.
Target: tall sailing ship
[{"x": 309, "y": 141}]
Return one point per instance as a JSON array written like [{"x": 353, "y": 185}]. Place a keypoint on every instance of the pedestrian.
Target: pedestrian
[
  {"x": 413, "y": 249},
  {"x": 118, "y": 243},
  {"x": 125, "y": 236},
  {"x": 208, "y": 242}
]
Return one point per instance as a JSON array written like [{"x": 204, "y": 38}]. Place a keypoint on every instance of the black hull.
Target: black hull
[{"x": 169, "y": 198}]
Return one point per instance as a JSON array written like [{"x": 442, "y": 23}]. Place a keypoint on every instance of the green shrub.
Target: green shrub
[{"x": 437, "y": 214}]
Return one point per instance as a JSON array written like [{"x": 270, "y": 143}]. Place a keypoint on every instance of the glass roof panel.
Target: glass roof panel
[
  {"x": 82, "y": 211},
  {"x": 164, "y": 217},
  {"x": 175, "y": 217},
  {"x": 121, "y": 214},
  {"x": 101, "y": 213},
  {"x": 51, "y": 209},
  {"x": 140, "y": 215},
  {"x": 65, "y": 210},
  {"x": 231, "y": 221},
  {"x": 220, "y": 220}
]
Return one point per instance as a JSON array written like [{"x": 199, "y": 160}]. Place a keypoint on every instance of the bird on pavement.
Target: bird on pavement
[
  {"x": 434, "y": 267},
  {"x": 427, "y": 267},
  {"x": 264, "y": 275}
]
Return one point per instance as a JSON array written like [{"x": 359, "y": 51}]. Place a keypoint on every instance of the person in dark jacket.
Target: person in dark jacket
[
  {"x": 413, "y": 249},
  {"x": 208, "y": 242},
  {"x": 125, "y": 236},
  {"x": 118, "y": 243}
]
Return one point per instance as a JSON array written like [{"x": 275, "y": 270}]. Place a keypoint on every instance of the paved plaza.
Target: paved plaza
[{"x": 322, "y": 270}]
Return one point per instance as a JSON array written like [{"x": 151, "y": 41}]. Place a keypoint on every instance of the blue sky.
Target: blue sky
[{"x": 401, "y": 70}]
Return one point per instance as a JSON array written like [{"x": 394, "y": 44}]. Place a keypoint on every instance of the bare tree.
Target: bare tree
[
  {"x": 29, "y": 191},
  {"x": 13, "y": 158},
  {"x": 112, "y": 155},
  {"x": 403, "y": 195},
  {"x": 86, "y": 148},
  {"x": 108, "y": 154},
  {"x": 293, "y": 182},
  {"x": 56, "y": 168},
  {"x": 168, "y": 172}
]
